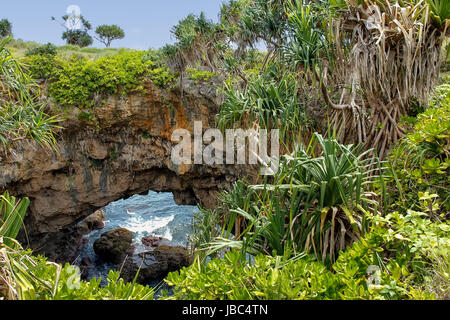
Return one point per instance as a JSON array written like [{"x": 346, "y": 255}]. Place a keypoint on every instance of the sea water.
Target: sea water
[{"x": 154, "y": 214}]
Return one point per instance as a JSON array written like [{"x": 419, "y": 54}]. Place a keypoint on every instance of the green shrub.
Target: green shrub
[
  {"x": 162, "y": 77},
  {"x": 318, "y": 202},
  {"x": 393, "y": 261},
  {"x": 270, "y": 103},
  {"x": 22, "y": 115},
  {"x": 42, "y": 66},
  {"x": 267, "y": 278},
  {"x": 76, "y": 81},
  {"x": 200, "y": 75},
  {"x": 48, "y": 48},
  {"x": 157, "y": 56},
  {"x": 420, "y": 162},
  {"x": 79, "y": 79},
  {"x": 402, "y": 248}
]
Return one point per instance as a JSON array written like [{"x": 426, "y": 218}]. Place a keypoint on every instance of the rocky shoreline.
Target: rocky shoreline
[{"x": 115, "y": 247}]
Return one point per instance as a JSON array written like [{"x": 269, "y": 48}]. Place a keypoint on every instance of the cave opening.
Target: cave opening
[{"x": 154, "y": 215}]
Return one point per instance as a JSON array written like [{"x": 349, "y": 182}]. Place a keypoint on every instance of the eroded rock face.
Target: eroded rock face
[
  {"x": 125, "y": 150},
  {"x": 64, "y": 246}
]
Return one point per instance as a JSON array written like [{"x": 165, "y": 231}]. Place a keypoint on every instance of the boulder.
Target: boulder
[
  {"x": 156, "y": 264},
  {"x": 94, "y": 222},
  {"x": 152, "y": 241},
  {"x": 114, "y": 245}
]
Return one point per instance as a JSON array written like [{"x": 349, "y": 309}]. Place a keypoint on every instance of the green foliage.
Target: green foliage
[
  {"x": 5, "y": 28},
  {"x": 272, "y": 104},
  {"x": 200, "y": 75},
  {"x": 48, "y": 48},
  {"x": 12, "y": 213},
  {"x": 403, "y": 248},
  {"x": 107, "y": 34},
  {"x": 78, "y": 38},
  {"x": 420, "y": 163},
  {"x": 76, "y": 81},
  {"x": 264, "y": 20},
  {"x": 21, "y": 114},
  {"x": 267, "y": 278},
  {"x": 440, "y": 10},
  {"x": 316, "y": 203},
  {"x": 308, "y": 41},
  {"x": 392, "y": 261},
  {"x": 157, "y": 56},
  {"x": 42, "y": 66},
  {"x": 441, "y": 98},
  {"x": 162, "y": 77}
]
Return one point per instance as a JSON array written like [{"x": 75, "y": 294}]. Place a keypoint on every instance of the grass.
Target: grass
[{"x": 19, "y": 47}]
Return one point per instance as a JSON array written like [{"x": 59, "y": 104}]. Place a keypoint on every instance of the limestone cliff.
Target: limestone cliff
[{"x": 124, "y": 149}]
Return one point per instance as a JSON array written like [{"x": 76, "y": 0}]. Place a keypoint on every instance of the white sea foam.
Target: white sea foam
[{"x": 141, "y": 226}]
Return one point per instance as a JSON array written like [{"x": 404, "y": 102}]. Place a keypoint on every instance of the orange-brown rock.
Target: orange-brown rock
[{"x": 125, "y": 149}]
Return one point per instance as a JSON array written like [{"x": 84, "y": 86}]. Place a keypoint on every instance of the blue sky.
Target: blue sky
[{"x": 146, "y": 24}]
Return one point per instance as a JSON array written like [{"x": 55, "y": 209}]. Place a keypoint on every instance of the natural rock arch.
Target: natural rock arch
[{"x": 123, "y": 150}]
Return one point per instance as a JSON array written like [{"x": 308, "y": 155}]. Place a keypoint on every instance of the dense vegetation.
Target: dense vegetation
[
  {"x": 75, "y": 81},
  {"x": 360, "y": 205},
  {"x": 367, "y": 201},
  {"x": 402, "y": 257},
  {"x": 22, "y": 114},
  {"x": 400, "y": 253}
]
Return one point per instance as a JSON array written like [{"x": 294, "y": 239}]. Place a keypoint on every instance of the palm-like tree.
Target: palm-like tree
[
  {"x": 319, "y": 202},
  {"x": 196, "y": 37},
  {"x": 264, "y": 21},
  {"x": 375, "y": 56}
]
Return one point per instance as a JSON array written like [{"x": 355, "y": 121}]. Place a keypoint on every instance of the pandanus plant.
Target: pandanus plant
[
  {"x": 371, "y": 60},
  {"x": 22, "y": 116},
  {"x": 318, "y": 203},
  {"x": 12, "y": 213}
]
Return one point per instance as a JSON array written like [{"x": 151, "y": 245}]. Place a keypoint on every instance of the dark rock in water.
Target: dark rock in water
[
  {"x": 86, "y": 262},
  {"x": 114, "y": 245},
  {"x": 155, "y": 264},
  {"x": 152, "y": 241},
  {"x": 85, "y": 265}
]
